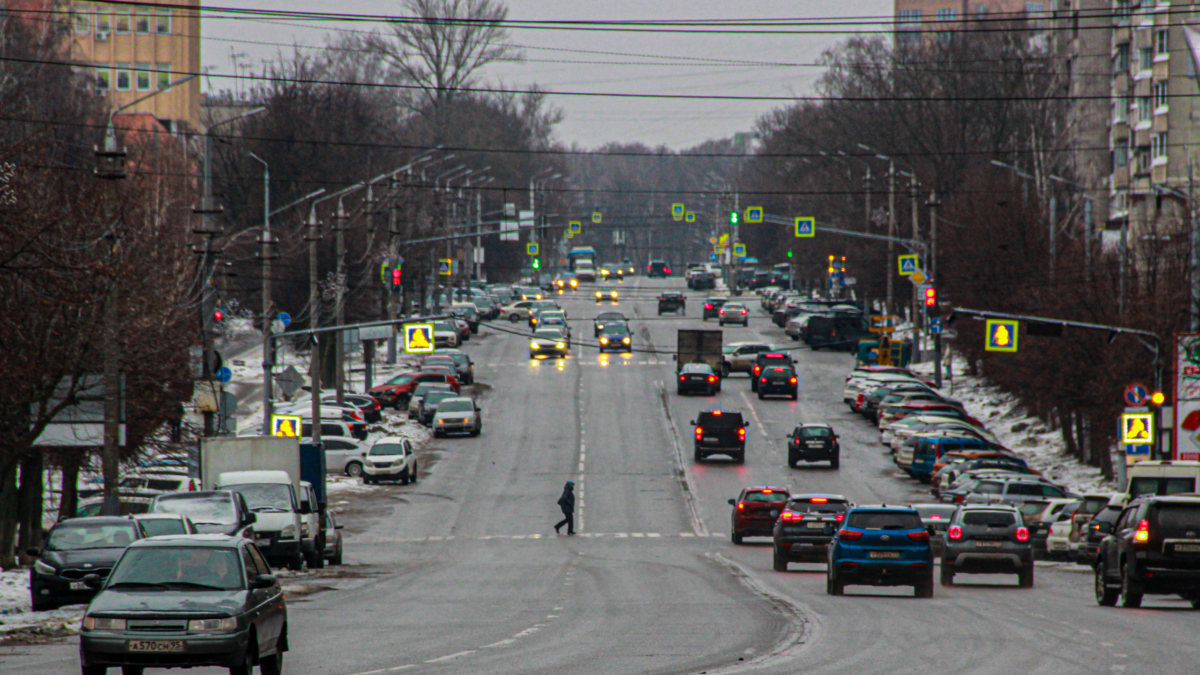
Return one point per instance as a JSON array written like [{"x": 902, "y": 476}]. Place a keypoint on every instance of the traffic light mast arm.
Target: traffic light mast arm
[{"x": 914, "y": 246}]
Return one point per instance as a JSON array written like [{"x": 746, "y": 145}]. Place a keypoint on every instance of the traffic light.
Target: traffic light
[
  {"x": 733, "y": 217},
  {"x": 790, "y": 254},
  {"x": 931, "y": 301},
  {"x": 218, "y": 316},
  {"x": 536, "y": 264},
  {"x": 396, "y": 277}
]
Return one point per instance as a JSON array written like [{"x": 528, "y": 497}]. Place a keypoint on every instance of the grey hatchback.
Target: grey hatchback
[
  {"x": 989, "y": 539},
  {"x": 186, "y": 601}
]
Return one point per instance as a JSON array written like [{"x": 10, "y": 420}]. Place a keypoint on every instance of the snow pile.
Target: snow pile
[{"x": 16, "y": 614}]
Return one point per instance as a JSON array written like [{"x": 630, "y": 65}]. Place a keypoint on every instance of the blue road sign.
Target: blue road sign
[
  {"x": 754, "y": 214},
  {"x": 806, "y": 227},
  {"x": 936, "y": 327},
  {"x": 285, "y": 319},
  {"x": 908, "y": 264},
  {"x": 1136, "y": 395},
  {"x": 712, "y": 257},
  {"x": 739, "y": 250},
  {"x": 223, "y": 374}
]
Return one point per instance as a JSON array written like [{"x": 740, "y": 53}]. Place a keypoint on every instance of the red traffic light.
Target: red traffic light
[
  {"x": 396, "y": 277},
  {"x": 931, "y": 297},
  {"x": 218, "y": 315}
]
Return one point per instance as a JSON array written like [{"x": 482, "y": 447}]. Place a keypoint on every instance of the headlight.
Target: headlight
[
  {"x": 559, "y": 345},
  {"x": 614, "y": 294},
  {"x": 43, "y": 568},
  {"x": 288, "y": 532},
  {"x": 574, "y": 283},
  {"x": 226, "y": 625},
  {"x": 600, "y": 326},
  {"x": 626, "y": 340},
  {"x": 533, "y": 345},
  {"x": 603, "y": 340},
  {"x": 599, "y": 294},
  {"x": 98, "y": 623}
]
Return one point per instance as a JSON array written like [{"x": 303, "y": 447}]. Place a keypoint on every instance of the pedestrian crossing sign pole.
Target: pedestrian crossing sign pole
[
  {"x": 531, "y": 248},
  {"x": 418, "y": 338}
]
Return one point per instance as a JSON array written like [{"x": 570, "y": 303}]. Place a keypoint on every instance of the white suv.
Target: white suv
[{"x": 391, "y": 458}]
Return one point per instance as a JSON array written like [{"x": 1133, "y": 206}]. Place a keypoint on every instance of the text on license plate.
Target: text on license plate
[
  {"x": 815, "y": 526},
  {"x": 79, "y": 585},
  {"x": 708, "y": 439},
  {"x": 263, "y": 542},
  {"x": 989, "y": 544},
  {"x": 1187, "y": 548},
  {"x": 885, "y": 554},
  {"x": 156, "y": 645}
]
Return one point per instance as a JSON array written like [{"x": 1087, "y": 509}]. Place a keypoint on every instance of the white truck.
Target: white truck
[{"x": 266, "y": 470}]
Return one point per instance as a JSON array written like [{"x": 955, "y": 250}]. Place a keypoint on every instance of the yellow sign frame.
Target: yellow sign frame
[
  {"x": 411, "y": 330},
  {"x": 677, "y": 211},
  {"x": 994, "y": 325},
  {"x": 812, "y": 226},
  {"x": 531, "y": 248},
  {"x": 575, "y": 227},
  {"x": 278, "y": 422},
  {"x": 754, "y": 214},
  {"x": 1137, "y": 428},
  {"x": 911, "y": 256},
  {"x": 597, "y": 217},
  {"x": 690, "y": 217}
]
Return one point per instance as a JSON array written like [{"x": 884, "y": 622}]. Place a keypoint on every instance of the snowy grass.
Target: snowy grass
[{"x": 16, "y": 611}]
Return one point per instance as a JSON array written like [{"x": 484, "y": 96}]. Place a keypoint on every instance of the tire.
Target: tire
[
  {"x": 138, "y": 670},
  {"x": 93, "y": 670},
  {"x": 1131, "y": 591},
  {"x": 833, "y": 585},
  {"x": 792, "y": 461},
  {"x": 40, "y": 605},
  {"x": 924, "y": 589},
  {"x": 271, "y": 665},
  {"x": 1105, "y": 596},
  {"x": 476, "y": 431},
  {"x": 246, "y": 667},
  {"x": 697, "y": 456},
  {"x": 354, "y": 469},
  {"x": 1025, "y": 577},
  {"x": 404, "y": 477},
  {"x": 297, "y": 563},
  {"x": 740, "y": 458},
  {"x": 761, "y": 396},
  {"x": 712, "y": 391},
  {"x": 835, "y": 462},
  {"x": 336, "y": 559},
  {"x": 736, "y": 537},
  {"x": 314, "y": 560},
  {"x": 412, "y": 478},
  {"x": 725, "y": 370},
  {"x": 947, "y": 576},
  {"x": 367, "y": 480},
  {"x": 780, "y": 561}
]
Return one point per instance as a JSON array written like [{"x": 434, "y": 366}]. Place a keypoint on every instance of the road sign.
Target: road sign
[
  {"x": 525, "y": 218},
  {"x": 1136, "y": 395},
  {"x": 596, "y": 217},
  {"x": 418, "y": 338},
  {"x": 223, "y": 374},
  {"x": 936, "y": 327},
  {"x": 919, "y": 278},
  {"x": 806, "y": 227},
  {"x": 289, "y": 381},
  {"x": 287, "y": 426},
  {"x": 531, "y": 249},
  {"x": 712, "y": 257},
  {"x": 739, "y": 250},
  {"x": 369, "y": 333},
  {"x": 284, "y": 318},
  {"x": 908, "y": 264},
  {"x": 1137, "y": 428},
  {"x": 754, "y": 214},
  {"x": 575, "y": 227},
  {"x": 445, "y": 267},
  {"x": 677, "y": 211},
  {"x": 569, "y": 235},
  {"x": 691, "y": 217},
  {"x": 1001, "y": 335}
]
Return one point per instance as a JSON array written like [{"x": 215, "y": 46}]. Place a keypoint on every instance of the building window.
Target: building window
[
  {"x": 1145, "y": 58},
  {"x": 103, "y": 77},
  {"x": 1121, "y": 60},
  {"x": 143, "y": 76},
  {"x": 946, "y": 14},
  {"x": 164, "y": 75},
  {"x": 1142, "y": 155},
  {"x": 1158, "y": 145},
  {"x": 121, "y": 18},
  {"x": 102, "y": 25},
  {"x": 1160, "y": 41},
  {"x": 1160, "y": 95},
  {"x": 124, "y": 82},
  {"x": 1144, "y": 111},
  {"x": 909, "y": 16},
  {"x": 981, "y": 10},
  {"x": 907, "y": 39},
  {"x": 163, "y": 21},
  {"x": 1120, "y": 109},
  {"x": 141, "y": 20},
  {"x": 1035, "y": 8},
  {"x": 1121, "y": 152},
  {"x": 83, "y": 18}
]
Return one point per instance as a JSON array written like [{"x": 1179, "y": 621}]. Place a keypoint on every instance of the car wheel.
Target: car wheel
[
  {"x": 834, "y": 586},
  {"x": 271, "y": 665},
  {"x": 792, "y": 461},
  {"x": 1105, "y": 596},
  {"x": 404, "y": 477},
  {"x": 947, "y": 574},
  {"x": 296, "y": 563},
  {"x": 412, "y": 478},
  {"x": 1025, "y": 576},
  {"x": 40, "y": 605},
  {"x": 337, "y": 556},
  {"x": 924, "y": 588},
  {"x": 1131, "y": 591},
  {"x": 761, "y": 396},
  {"x": 740, "y": 458},
  {"x": 138, "y": 670},
  {"x": 781, "y": 561},
  {"x": 246, "y": 667},
  {"x": 697, "y": 456},
  {"x": 835, "y": 462},
  {"x": 93, "y": 670},
  {"x": 354, "y": 469},
  {"x": 736, "y": 537},
  {"x": 314, "y": 560},
  {"x": 513, "y": 318}
]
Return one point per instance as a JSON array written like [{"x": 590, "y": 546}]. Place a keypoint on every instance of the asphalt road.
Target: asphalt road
[{"x": 463, "y": 572}]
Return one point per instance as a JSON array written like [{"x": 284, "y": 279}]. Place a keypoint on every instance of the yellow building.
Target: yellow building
[{"x": 138, "y": 48}]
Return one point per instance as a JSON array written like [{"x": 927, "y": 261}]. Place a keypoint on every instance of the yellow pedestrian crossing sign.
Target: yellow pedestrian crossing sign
[
  {"x": 287, "y": 426},
  {"x": 754, "y": 214},
  {"x": 677, "y": 211},
  {"x": 1137, "y": 428},
  {"x": 445, "y": 267},
  {"x": 806, "y": 227},
  {"x": 1001, "y": 335},
  {"x": 418, "y": 338},
  {"x": 531, "y": 248},
  {"x": 691, "y": 218},
  {"x": 596, "y": 217},
  {"x": 909, "y": 264},
  {"x": 575, "y": 226}
]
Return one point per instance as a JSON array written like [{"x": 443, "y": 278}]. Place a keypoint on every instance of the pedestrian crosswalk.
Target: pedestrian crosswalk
[{"x": 370, "y": 539}]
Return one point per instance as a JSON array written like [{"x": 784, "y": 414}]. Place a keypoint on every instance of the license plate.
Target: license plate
[
  {"x": 1187, "y": 548},
  {"x": 891, "y": 555},
  {"x": 711, "y": 440},
  {"x": 816, "y": 445},
  {"x": 815, "y": 526},
  {"x": 156, "y": 645},
  {"x": 263, "y": 542},
  {"x": 989, "y": 544},
  {"x": 80, "y": 586}
]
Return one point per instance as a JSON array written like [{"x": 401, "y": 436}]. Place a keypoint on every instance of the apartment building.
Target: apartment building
[{"x": 915, "y": 17}]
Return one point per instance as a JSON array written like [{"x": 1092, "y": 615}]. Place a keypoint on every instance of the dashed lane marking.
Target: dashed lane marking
[{"x": 449, "y": 657}]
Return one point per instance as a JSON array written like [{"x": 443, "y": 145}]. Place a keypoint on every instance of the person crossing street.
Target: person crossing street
[{"x": 567, "y": 503}]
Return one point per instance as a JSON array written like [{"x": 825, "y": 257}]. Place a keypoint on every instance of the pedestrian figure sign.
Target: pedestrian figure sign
[
  {"x": 1001, "y": 336},
  {"x": 754, "y": 214},
  {"x": 575, "y": 226},
  {"x": 908, "y": 264},
  {"x": 596, "y": 217},
  {"x": 287, "y": 426},
  {"x": 418, "y": 338},
  {"x": 677, "y": 211},
  {"x": 806, "y": 227},
  {"x": 445, "y": 267},
  {"x": 531, "y": 249},
  {"x": 1137, "y": 428},
  {"x": 739, "y": 250}
]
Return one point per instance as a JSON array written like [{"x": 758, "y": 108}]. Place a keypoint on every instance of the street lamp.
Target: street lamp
[{"x": 112, "y": 158}]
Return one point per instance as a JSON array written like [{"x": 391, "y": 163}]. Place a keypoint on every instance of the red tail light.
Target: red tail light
[
  {"x": 954, "y": 533},
  {"x": 789, "y": 516},
  {"x": 741, "y": 433},
  {"x": 792, "y": 381},
  {"x": 763, "y": 381},
  {"x": 722, "y": 311},
  {"x": 741, "y": 506},
  {"x": 1022, "y": 534},
  {"x": 708, "y": 305},
  {"x": 1143, "y": 532},
  {"x": 849, "y": 535},
  {"x": 841, "y": 517},
  {"x": 959, "y": 498},
  {"x": 699, "y": 433},
  {"x": 682, "y": 378},
  {"x": 919, "y": 536},
  {"x": 819, "y": 500},
  {"x": 712, "y": 378},
  {"x": 757, "y": 369},
  {"x": 743, "y": 312},
  {"x": 668, "y": 270}
]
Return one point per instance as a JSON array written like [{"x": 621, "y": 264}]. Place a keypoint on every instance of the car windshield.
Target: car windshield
[
  {"x": 156, "y": 527},
  {"x": 203, "y": 509},
  {"x": 444, "y": 326},
  {"x": 402, "y": 379},
  {"x": 70, "y": 536},
  {"x": 724, "y": 420},
  {"x": 547, "y": 334},
  {"x": 456, "y": 406},
  {"x": 779, "y": 373},
  {"x": 386, "y": 449},
  {"x": 989, "y": 518},
  {"x": 815, "y": 432},
  {"x": 615, "y": 329},
  {"x": 700, "y": 368},
  {"x": 547, "y": 316},
  {"x": 277, "y": 496},
  {"x": 436, "y": 397},
  {"x": 766, "y": 496},
  {"x": 884, "y": 520},
  {"x": 610, "y": 316},
  {"x": 188, "y": 567}
]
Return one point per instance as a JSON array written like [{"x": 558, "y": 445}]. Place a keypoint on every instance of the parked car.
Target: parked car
[
  {"x": 214, "y": 603},
  {"x": 424, "y": 389},
  {"x": 343, "y": 454},
  {"x": 76, "y": 548},
  {"x": 211, "y": 511},
  {"x": 396, "y": 391},
  {"x": 806, "y": 527},
  {"x": 392, "y": 459},
  {"x": 881, "y": 546},
  {"x": 987, "y": 539},
  {"x": 129, "y": 502},
  {"x": 429, "y": 405},
  {"x": 1099, "y": 527},
  {"x": 333, "y": 539},
  {"x": 755, "y": 511},
  {"x": 1153, "y": 549}
]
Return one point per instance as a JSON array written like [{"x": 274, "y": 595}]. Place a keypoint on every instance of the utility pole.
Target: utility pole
[
  {"x": 392, "y": 250},
  {"x": 268, "y": 363},
  {"x": 1052, "y": 215},
  {"x": 339, "y": 228},
  {"x": 916, "y": 297},
  {"x": 1087, "y": 238},
  {"x": 867, "y": 192},
  {"x": 937, "y": 338},
  {"x": 892, "y": 234},
  {"x": 314, "y": 322},
  {"x": 111, "y": 460},
  {"x": 1194, "y": 262}
]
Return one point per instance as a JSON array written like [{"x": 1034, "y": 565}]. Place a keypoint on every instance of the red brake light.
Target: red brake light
[
  {"x": 668, "y": 270},
  {"x": 919, "y": 536},
  {"x": 757, "y": 369},
  {"x": 792, "y": 381},
  {"x": 773, "y": 356},
  {"x": 722, "y": 310},
  {"x": 763, "y": 381},
  {"x": 712, "y": 378},
  {"x": 1143, "y": 532},
  {"x": 699, "y": 433},
  {"x": 789, "y": 516},
  {"x": 954, "y": 533},
  {"x": 716, "y": 413},
  {"x": 849, "y": 535},
  {"x": 682, "y": 378},
  {"x": 741, "y": 506},
  {"x": 741, "y": 433},
  {"x": 708, "y": 305},
  {"x": 1022, "y": 534},
  {"x": 767, "y": 491},
  {"x": 935, "y": 517},
  {"x": 841, "y": 517},
  {"x": 819, "y": 500},
  {"x": 743, "y": 312}
]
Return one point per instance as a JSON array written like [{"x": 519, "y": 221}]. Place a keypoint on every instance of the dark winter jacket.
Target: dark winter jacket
[{"x": 567, "y": 500}]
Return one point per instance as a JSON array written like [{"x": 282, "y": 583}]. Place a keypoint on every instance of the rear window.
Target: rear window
[
  {"x": 815, "y": 432},
  {"x": 989, "y": 518},
  {"x": 725, "y": 419},
  {"x": 1092, "y": 505},
  {"x": 1179, "y": 516},
  {"x": 806, "y": 506},
  {"x": 773, "y": 496},
  {"x": 884, "y": 520},
  {"x": 1160, "y": 486},
  {"x": 703, "y": 368}
]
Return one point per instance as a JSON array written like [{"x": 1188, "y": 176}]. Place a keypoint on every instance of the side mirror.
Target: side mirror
[
  {"x": 262, "y": 581},
  {"x": 33, "y": 552},
  {"x": 92, "y": 581},
  {"x": 339, "y": 526},
  {"x": 692, "y": 422},
  {"x": 250, "y": 519},
  {"x": 1104, "y": 526},
  {"x": 747, "y": 425},
  {"x": 305, "y": 508},
  {"x": 732, "y": 502}
]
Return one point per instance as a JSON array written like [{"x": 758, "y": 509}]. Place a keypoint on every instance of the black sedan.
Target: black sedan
[
  {"x": 186, "y": 601},
  {"x": 698, "y": 377},
  {"x": 712, "y": 307},
  {"x": 616, "y": 337},
  {"x": 778, "y": 381},
  {"x": 76, "y": 548},
  {"x": 605, "y": 318}
]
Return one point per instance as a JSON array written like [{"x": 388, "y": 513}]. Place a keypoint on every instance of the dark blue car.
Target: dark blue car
[{"x": 881, "y": 546}]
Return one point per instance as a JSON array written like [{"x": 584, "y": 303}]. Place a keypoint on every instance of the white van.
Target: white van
[
  {"x": 272, "y": 496},
  {"x": 1162, "y": 477}
]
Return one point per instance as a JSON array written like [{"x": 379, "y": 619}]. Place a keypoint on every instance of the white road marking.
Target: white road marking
[{"x": 451, "y": 656}]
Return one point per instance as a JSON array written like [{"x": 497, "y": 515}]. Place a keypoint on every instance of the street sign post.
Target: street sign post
[
  {"x": 908, "y": 264},
  {"x": 418, "y": 338},
  {"x": 1001, "y": 335},
  {"x": 936, "y": 327},
  {"x": 754, "y": 214},
  {"x": 677, "y": 211},
  {"x": 806, "y": 227}
]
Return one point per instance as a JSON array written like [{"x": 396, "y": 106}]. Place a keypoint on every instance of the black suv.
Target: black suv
[
  {"x": 76, "y": 548},
  {"x": 778, "y": 381},
  {"x": 1093, "y": 532},
  {"x": 605, "y": 318},
  {"x": 712, "y": 307},
  {"x": 1154, "y": 548},
  {"x": 720, "y": 432},
  {"x": 672, "y": 302},
  {"x": 813, "y": 443},
  {"x": 987, "y": 539},
  {"x": 658, "y": 268},
  {"x": 764, "y": 360},
  {"x": 703, "y": 281},
  {"x": 805, "y": 528}
]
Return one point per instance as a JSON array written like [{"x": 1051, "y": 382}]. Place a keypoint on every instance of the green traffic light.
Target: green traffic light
[
  {"x": 537, "y": 264},
  {"x": 733, "y": 217},
  {"x": 789, "y": 254}
]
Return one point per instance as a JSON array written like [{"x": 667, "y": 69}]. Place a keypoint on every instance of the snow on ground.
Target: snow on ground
[
  {"x": 16, "y": 615},
  {"x": 1026, "y": 435}
]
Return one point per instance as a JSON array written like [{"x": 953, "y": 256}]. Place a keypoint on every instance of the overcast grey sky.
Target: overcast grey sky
[{"x": 592, "y": 121}]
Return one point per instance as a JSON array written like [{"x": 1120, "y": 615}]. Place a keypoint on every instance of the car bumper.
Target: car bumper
[
  {"x": 705, "y": 387},
  {"x": 716, "y": 449},
  {"x": 58, "y": 590},
  {"x": 777, "y": 390},
  {"x": 548, "y": 352},
  {"x": 453, "y": 427},
  {"x": 805, "y": 548},
  {"x": 881, "y": 573},
  {"x": 278, "y": 550},
  {"x": 112, "y": 649},
  {"x": 615, "y": 346},
  {"x": 812, "y": 454},
  {"x": 384, "y": 472},
  {"x": 986, "y": 563}
]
